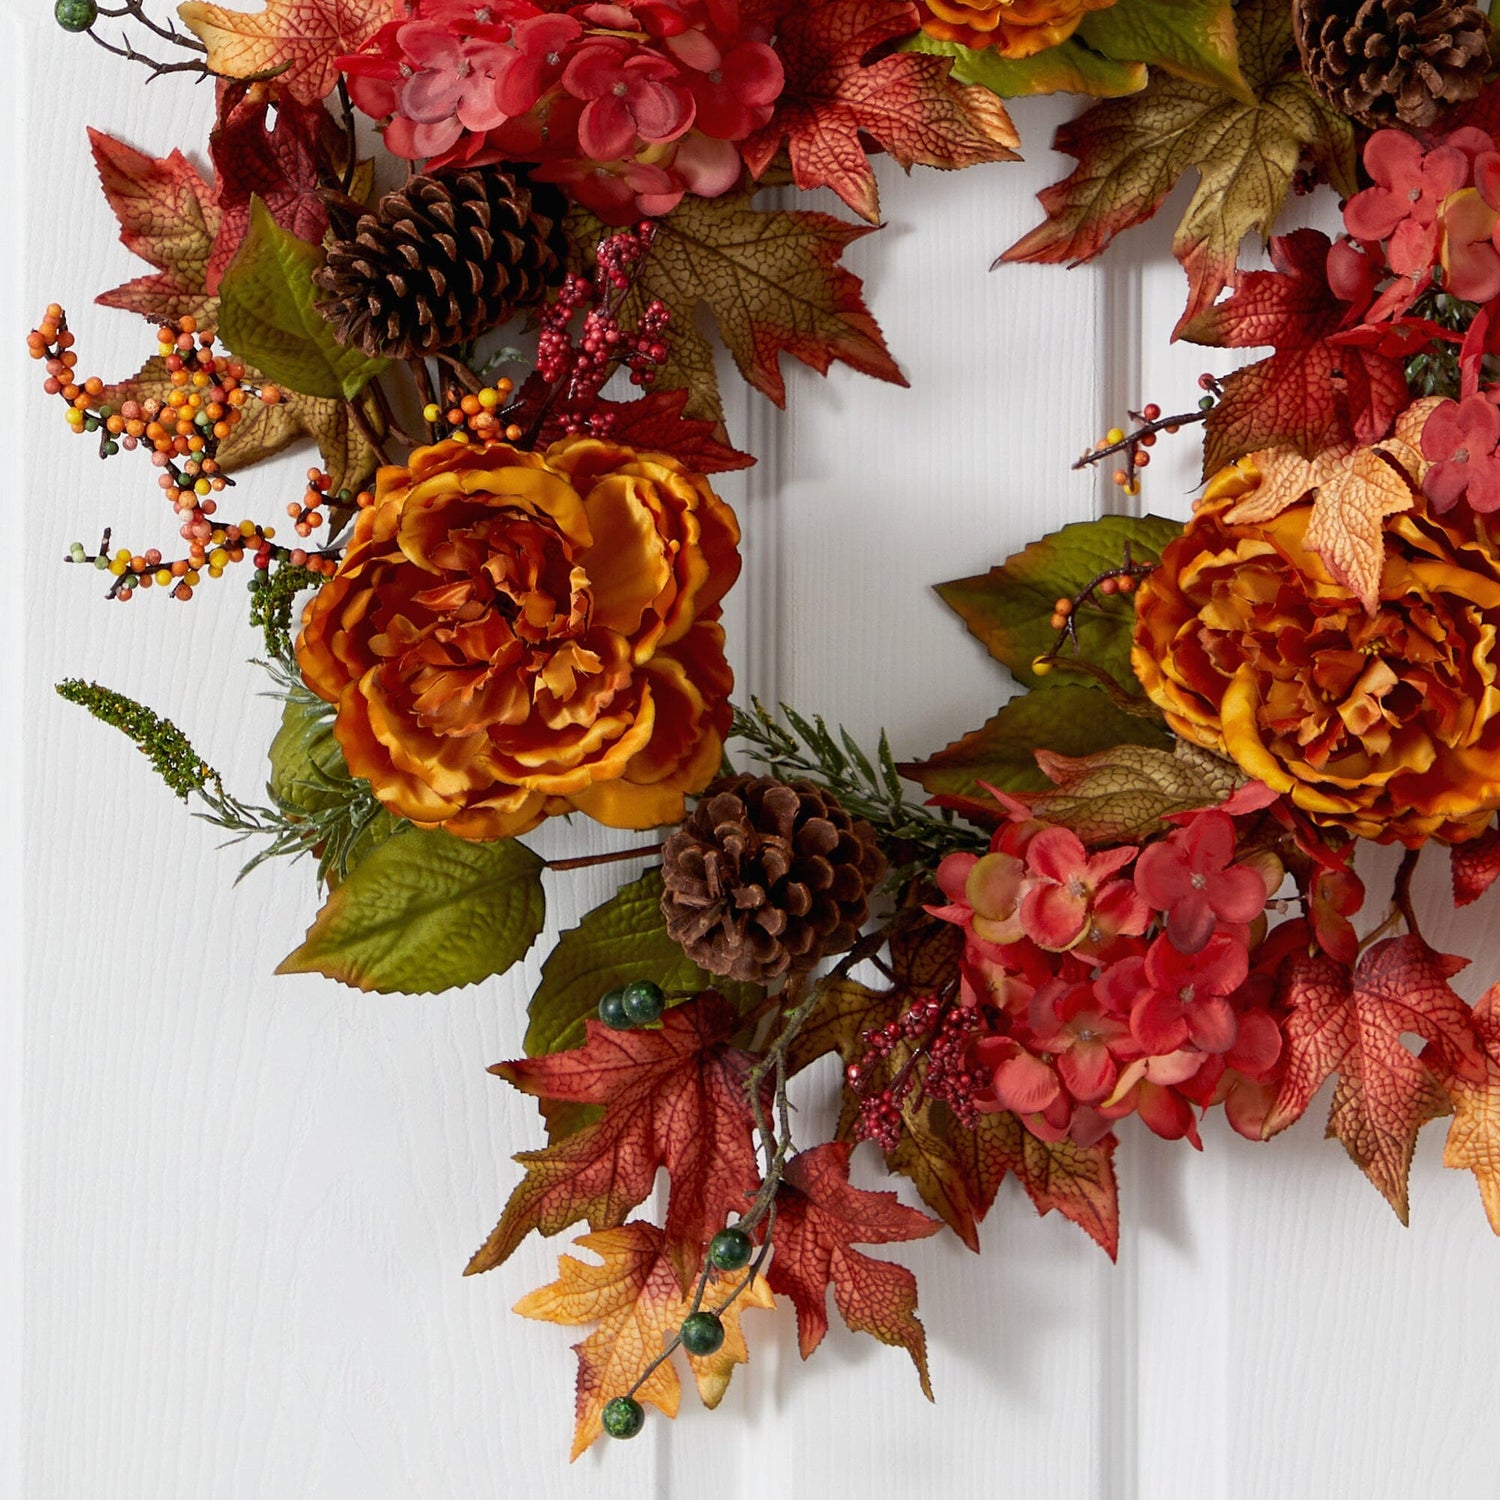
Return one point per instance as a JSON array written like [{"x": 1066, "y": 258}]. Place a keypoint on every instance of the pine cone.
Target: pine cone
[
  {"x": 1389, "y": 62},
  {"x": 440, "y": 260},
  {"x": 767, "y": 876}
]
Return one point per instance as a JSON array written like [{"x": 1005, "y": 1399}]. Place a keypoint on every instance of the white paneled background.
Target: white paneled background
[{"x": 247, "y": 1200}]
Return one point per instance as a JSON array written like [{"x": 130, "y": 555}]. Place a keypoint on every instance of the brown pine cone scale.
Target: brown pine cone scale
[
  {"x": 1392, "y": 62},
  {"x": 440, "y": 260},
  {"x": 765, "y": 877}
]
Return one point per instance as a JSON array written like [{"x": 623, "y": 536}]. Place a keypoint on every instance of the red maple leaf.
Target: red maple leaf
[
  {"x": 653, "y": 421},
  {"x": 819, "y": 1219},
  {"x": 906, "y": 103},
  {"x": 1474, "y": 1136},
  {"x": 1316, "y": 391},
  {"x": 1475, "y": 866},
  {"x": 674, "y": 1097},
  {"x": 1078, "y": 1181},
  {"x": 283, "y": 167},
  {"x": 1352, "y": 1023},
  {"x": 168, "y": 216}
]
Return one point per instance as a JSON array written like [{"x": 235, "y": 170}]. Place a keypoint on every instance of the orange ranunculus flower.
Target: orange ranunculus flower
[
  {"x": 514, "y": 634},
  {"x": 1014, "y": 28},
  {"x": 1384, "y": 724}
]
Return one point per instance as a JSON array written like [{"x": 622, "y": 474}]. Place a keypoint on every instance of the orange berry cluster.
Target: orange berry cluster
[
  {"x": 206, "y": 398},
  {"x": 477, "y": 416}
]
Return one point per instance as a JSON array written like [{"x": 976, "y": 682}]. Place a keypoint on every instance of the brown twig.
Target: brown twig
[
  {"x": 367, "y": 432},
  {"x": 587, "y": 861},
  {"x": 1401, "y": 891},
  {"x": 157, "y": 69}
]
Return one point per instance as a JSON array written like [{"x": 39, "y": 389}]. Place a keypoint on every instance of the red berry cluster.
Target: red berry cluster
[
  {"x": 577, "y": 367},
  {"x": 937, "y": 1031}
]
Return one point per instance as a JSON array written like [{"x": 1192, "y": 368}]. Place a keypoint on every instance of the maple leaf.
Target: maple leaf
[
  {"x": 820, "y": 1217},
  {"x": 1475, "y": 866},
  {"x": 634, "y": 1297},
  {"x": 906, "y": 103},
  {"x": 1473, "y": 1143},
  {"x": 1132, "y": 151},
  {"x": 773, "y": 284},
  {"x": 1315, "y": 392},
  {"x": 654, "y": 420},
  {"x": 283, "y": 167},
  {"x": 673, "y": 1096},
  {"x": 1077, "y": 1181},
  {"x": 167, "y": 216},
  {"x": 1353, "y": 494},
  {"x": 300, "y": 41},
  {"x": 1352, "y": 1022}
]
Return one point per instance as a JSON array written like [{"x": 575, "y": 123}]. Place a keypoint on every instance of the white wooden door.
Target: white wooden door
[{"x": 247, "y": 1200}]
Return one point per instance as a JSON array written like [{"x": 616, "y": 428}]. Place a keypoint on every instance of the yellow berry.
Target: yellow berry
[
  {"x": 1041, "y": 665},
  {"x": 1114, "y": 435}
]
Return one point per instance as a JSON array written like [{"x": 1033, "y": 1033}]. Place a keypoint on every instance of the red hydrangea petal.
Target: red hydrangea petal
[
  {"x": 1053, "y": 917},
  {"x": 1056, "y": 854},
  {"x": 1162, "y": 875},
  {"x": 1191, "y": 921},
  {"x": 1237, "y": 894},
  {"x": 1088, "y": 1070},
  {"x": 1025, "y": 1084},
  {"x": 1213, "y": 1024},
  {"x": 1157, "y": 1022}
]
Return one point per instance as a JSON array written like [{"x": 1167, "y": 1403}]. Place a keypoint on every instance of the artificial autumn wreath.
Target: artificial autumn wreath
[{"x": 1130, "y": 892}]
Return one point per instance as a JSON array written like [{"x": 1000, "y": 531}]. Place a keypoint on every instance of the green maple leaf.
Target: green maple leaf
[
  {"x": 1131, "y": 153},
  {"x": 771, "y": 281}
]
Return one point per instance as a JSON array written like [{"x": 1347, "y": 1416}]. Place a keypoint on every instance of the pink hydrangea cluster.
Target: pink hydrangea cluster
[
  {"x": 1119, "y": 980},
  {"x": 1430, "y": 222},
  {"x": 626, "y": 105}
]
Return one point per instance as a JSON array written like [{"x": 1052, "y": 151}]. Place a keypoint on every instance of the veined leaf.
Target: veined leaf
[
  {"x": 266, "y": 315},
  {"x": 1008, "y": 608},
  {"x": 1068, "y": 68},
  {"x": 426, "y": 912},
  {"x": 1195, "y": 39}
]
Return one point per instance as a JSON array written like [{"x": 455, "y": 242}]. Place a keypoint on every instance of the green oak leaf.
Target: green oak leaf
[
  {"x": 426, "y": 912},
  {"x": 623, "y": 939},
  {"x": 1068, "y": 68},
  {"x": 1065, "y": 720},
  {"x": 267, "y": 318},
  {"x": 1009, "y": 607},
  {"x": 1194, "y": 39}
]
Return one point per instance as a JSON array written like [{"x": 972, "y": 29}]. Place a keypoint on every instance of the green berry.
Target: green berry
[
  {"x": 644, "y": 1002},
  {"x": 75, "y": 15},
  {"x": 1206, "y": 403},
  {"x": 612, "y": 1011},
  {"x": 730, "y": 1250},
  {"x": 701, "y": 1333},
  {"x": 623, "y": 1417}
]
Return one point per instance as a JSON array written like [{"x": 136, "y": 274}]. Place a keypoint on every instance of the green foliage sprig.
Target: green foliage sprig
[{"x": 911, "y": 835}]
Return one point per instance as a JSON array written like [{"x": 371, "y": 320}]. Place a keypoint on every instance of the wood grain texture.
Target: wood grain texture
[{"x": 248, "y": 1199}]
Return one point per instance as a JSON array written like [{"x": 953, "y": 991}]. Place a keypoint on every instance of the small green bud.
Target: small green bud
[
  {"x": 612, "y": 1011},
  {"x": 644, "y": 1002},
  {"x": 701, "y": 1333},
  {"x": 75, "y": 15},
  {"x": 623, "y": 1417}
]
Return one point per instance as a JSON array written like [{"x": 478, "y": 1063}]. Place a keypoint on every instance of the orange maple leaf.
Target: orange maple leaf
[
  {"x": 1352, "y": 1023},
  {"x": 1474, "y": 1136},
  {"x": 673, "y": 1096},
  {"x": 820, "y": 1217},
  {"x": 906, "y": 103},
  {"x": 634, "y": 1297},
  {"x": 168, "y": 216},
  {"x": 303, "y": 39},
  {"x": 1352, "y": 493}
]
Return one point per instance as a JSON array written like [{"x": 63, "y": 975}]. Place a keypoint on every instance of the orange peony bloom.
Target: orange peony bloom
[
  {"x": 514, "y": 634},
  {"x": 1014, "y": 28},
  {"x": 1384, "y": 724}
]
